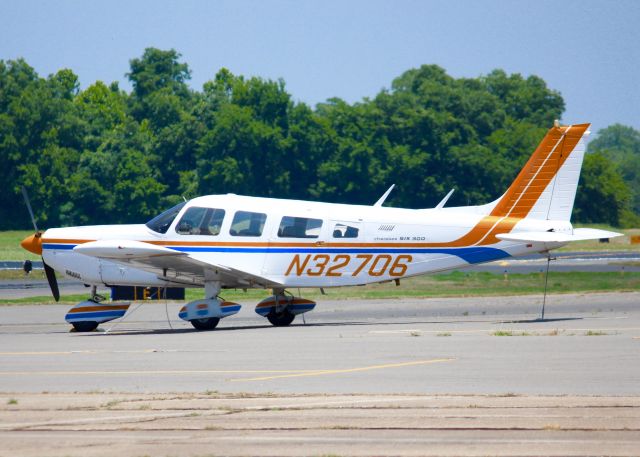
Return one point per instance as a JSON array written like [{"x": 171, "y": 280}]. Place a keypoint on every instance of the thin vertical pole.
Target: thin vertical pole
[{"x": 546, "y": 280}]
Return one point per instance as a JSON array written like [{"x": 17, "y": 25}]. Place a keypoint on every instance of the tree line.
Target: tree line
[{"x": 103, "y": 155}]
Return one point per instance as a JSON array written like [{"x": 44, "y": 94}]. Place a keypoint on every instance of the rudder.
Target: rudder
[{"x": 546, "y": 186}]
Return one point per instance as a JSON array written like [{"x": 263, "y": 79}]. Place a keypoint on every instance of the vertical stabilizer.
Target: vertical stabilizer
[
  {"x": 546, "y": 186},
  {"x": 561, "y": 192}
]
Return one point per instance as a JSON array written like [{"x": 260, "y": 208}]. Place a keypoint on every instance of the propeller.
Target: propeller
[
  {"x": 51, "y": 278},
  {"x": 33, "y": 244}
]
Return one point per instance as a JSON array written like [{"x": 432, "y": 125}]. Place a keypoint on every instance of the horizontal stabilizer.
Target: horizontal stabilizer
[{"x": 579, "y": 234}]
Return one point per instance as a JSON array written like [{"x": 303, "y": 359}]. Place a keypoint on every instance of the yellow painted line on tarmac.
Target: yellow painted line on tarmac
[{"x": 345, "y": 370}]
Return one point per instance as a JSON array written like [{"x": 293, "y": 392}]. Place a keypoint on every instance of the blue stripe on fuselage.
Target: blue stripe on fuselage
[
  {"x": 473, "y": 254},
  {"x": 58, "y": 246},
  {"x": 470, "y": 255}
]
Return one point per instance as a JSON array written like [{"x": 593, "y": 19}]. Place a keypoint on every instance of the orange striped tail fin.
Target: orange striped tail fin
[{"x": 546, "y": 186}]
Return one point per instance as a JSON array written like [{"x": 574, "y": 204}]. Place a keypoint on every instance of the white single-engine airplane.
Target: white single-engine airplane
[{"x": 230, "y": 241}]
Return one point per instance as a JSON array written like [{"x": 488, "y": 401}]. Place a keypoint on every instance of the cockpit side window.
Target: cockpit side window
[
  {"x": 345, "y": 231},
  {"x": 201, "y": 221},
  {"x": 299, "y": 227},
  {"x": 247, "y": 224},
  {"x": 163, "y": 221}
]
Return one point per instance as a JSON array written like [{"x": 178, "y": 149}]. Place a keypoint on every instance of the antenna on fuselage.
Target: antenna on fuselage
[
  {"x": 445, "y": 199},
  {"x": 384, "y": 197}
]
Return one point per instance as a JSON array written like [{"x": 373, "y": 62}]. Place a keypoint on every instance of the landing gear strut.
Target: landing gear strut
[
  {"x": 206, "y": 313},
  {"x": 211, "y": 291},
  {"x": 280, "y": 315}
]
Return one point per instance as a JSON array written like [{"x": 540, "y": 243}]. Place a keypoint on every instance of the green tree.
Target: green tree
[
  {"x": 40, "y": 137},
  {"x": 103, "y": 155},
  {"x": 157, "y": 70},
  {"x": 602, "y": 196},
  {"x": 621, "y": 145},
  {"x": 162, "y": 98},
  {"x": 101, "y": 109},
  {"x": 246, "y": 147}
]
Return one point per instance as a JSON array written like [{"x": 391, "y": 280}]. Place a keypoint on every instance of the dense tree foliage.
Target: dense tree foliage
[
  {"x": 620, "y": 145},
  {"x": 102, "y": 155}
]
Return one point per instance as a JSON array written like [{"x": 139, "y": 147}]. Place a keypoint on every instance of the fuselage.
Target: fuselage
[{"x": 301, "y": 243}]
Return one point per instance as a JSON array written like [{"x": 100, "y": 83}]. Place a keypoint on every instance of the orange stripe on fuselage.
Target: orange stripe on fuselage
[{"x": 64, "y": 241}]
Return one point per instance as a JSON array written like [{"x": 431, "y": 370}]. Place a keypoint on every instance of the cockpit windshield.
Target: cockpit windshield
[{"x": 162, "y": 222}]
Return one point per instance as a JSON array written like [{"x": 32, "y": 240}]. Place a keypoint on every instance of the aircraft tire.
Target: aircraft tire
[
  {"x": 85, "y": 326},
  {"x": 208, "y": 323},
  {"x": 282, "y": 319}
]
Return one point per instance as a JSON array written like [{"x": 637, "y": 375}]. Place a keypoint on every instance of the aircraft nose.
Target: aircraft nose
[{"x": 33, "y": 243}]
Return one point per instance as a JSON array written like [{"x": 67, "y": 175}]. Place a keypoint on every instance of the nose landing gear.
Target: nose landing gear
[{"x": 87, "y": 315}]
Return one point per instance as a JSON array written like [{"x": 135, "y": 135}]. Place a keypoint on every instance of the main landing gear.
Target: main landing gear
[
  {"x": 282, "y": 318},
  {"x": 206, "y": 314},
  {"x": 207, "y": 323},
  {"x": 282, "y": 307}
]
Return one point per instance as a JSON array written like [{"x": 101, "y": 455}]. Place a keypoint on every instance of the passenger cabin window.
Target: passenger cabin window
[
  {"x": 162, "y": 222},
  {"x": 247, "y": 224},
  {"x": 299, "y": 227},
  {"x": 200, "y": 221},
  {"x": 345, "y": 231}
]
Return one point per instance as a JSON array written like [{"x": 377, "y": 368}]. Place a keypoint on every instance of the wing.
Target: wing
[{"x": 171, "y": 265}]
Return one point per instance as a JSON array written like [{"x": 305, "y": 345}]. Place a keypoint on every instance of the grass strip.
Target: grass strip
[{"x": 455, "y": 284}]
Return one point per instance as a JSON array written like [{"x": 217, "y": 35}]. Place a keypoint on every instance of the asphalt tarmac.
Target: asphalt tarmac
[
  {"x": 470, "y": 376},
  {"x": 588, "y": 345}
]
